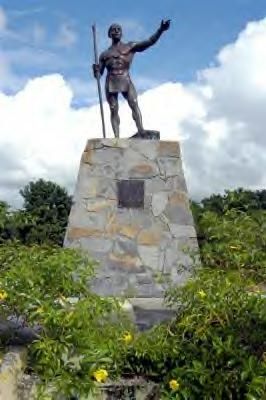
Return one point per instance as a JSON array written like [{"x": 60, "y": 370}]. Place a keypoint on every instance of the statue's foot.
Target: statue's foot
[
  {"x": 147, "y": 134},
  {"x": 141, "y": 133}
]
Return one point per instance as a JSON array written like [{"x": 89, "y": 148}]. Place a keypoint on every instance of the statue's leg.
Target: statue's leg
[
  {"x": 112, "y": 99},
  {"x": 132, "y": 99}
]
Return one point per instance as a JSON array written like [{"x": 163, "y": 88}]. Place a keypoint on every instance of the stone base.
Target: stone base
[
  {"x": 146, "y": 312},
  {"x": 11, "y": 371},
  {"x": 128, "y": 389},
  {"x": 139, "y": 249},
  {"x": 16, "y": 385}
]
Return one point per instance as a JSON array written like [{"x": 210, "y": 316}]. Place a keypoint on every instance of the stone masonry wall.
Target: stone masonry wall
[{"x": 138, "y": 249}]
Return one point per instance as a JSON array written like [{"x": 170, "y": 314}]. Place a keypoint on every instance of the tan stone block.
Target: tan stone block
[
  {"x": 92, "y": 188},
  {"x": 86, "y": 157},
  {"x": 93, "y": 144},
  {"x": 112, "y": 229},
  {"x": 149, "y": 237},
  {"x": 111, "y": 219},
  {"x": 178, "y": 198},
  {"x": 169, "y": 149},
  {"x": 143, "y": 170},
  {"x": 96, "y": 206},
  {"x": 76, "y": 233},
  {"x": 125, "y": 261},
  {"x": 129, "y": 231},
  {"x": 115, "y": 143}
]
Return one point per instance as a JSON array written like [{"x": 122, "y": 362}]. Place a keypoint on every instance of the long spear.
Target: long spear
[{"x": 98, "y": 77}]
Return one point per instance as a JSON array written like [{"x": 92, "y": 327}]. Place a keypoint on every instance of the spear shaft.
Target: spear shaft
[{"x": 98, "y": 77}]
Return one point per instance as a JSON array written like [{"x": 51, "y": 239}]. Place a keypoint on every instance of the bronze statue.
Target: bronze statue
[{"x": 117, "y": 60}]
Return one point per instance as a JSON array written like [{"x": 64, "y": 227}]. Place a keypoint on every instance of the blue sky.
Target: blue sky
[
  {"x": 199, "y": 29},
  {"x": 203, "y": 84}
]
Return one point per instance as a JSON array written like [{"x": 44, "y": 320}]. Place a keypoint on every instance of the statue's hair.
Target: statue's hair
[{"x": 111, "y": 27}]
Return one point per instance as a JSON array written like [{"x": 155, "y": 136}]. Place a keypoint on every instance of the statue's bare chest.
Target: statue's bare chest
[{"x": 118, "y": 57}]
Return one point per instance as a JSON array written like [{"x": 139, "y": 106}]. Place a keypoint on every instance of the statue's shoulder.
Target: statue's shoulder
[
  {"x": 130, "y": 45},
  {"x": 104, "y": 55},
  {"x": 126, "y": 48}
]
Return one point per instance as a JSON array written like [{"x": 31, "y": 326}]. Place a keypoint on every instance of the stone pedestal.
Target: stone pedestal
[{"x": 139, "y": 246}]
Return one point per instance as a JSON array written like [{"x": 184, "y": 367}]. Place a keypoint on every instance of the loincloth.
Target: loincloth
[{"x": 117, "y": 83}]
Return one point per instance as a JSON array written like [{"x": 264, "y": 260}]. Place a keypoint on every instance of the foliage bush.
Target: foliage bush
[
  {"x": 42, "y": 220},
  {"x": 215, "y": 346},
  {"x": 235, "y": 241},
  {"x": 238, "y": 199},
  {"x": 81, "y": 332},
  {"x": 49, "y": 204}
]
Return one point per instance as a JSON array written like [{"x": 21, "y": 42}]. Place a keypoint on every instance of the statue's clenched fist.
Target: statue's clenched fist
[{"x": 165, "y": 25}]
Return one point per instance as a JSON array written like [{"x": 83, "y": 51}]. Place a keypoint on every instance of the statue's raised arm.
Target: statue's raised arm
[{"x": 145, "y": 44}]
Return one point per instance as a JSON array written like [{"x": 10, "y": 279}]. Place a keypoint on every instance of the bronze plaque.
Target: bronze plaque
[{"x": 130, "y": 193}]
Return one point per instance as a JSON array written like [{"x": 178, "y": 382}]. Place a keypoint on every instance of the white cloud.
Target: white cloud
[
  {"x": 67, "y": 36},
  {"x": 234, "y": 95},
  {"x": 84, "y": 91},
  {"x": 219, "y": 118}
]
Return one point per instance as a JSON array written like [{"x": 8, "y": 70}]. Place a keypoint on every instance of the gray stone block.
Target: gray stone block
[
  {"x": 93, "y": 245},
  {"x": 124, "y": 245},
  {"x": 144, "y": 279},
  {"x": 148, "y": 152},
  {"x": 156, "y": 185},
  {"x": 177, "y": 182},
  {"x": 159, "y": 202},
  {"x": 149, "y": 256},
  {"x": 178, "y": 214},
  {"x": 169, "y": 167},
  {"x": 185, "y": 231},
  {"x": 81, "y": 218}
]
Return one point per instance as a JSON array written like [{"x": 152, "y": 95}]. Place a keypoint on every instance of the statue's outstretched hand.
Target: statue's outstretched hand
[{"x": 165, "y": 25}]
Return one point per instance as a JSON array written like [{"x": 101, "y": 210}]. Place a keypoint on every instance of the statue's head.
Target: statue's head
[{"x": 115, "y": 31}]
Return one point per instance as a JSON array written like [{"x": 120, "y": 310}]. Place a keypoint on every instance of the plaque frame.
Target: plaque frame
[{"x": 130, "y": 193}]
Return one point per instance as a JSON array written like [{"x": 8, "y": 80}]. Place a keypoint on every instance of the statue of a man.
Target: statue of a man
[{"x": 117, "y": 60}]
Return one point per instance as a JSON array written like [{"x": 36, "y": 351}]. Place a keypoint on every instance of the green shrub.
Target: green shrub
[
  {"x": 214, "y": 348},
  {"x": 235, "y": 241},
  {"x": 81, "y": 332},
  {"x": 42, "y": 220}
]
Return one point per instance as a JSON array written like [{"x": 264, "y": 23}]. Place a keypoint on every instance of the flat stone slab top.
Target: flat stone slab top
[{"x": 131, "y": 213}]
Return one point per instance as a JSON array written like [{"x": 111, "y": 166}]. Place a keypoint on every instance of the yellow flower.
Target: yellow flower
[
  {"x": 5, "y": 376},
  {"x": 174, "y": 385},
  {"x": 127, "y": 337},
  {"x": 100, "y": 375},
  {"x": 202, "y": 294},
  {"x": 3, "y": 295},
  {"x": 233, "y": 247},
  {"x": 69, "y": 315}
]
